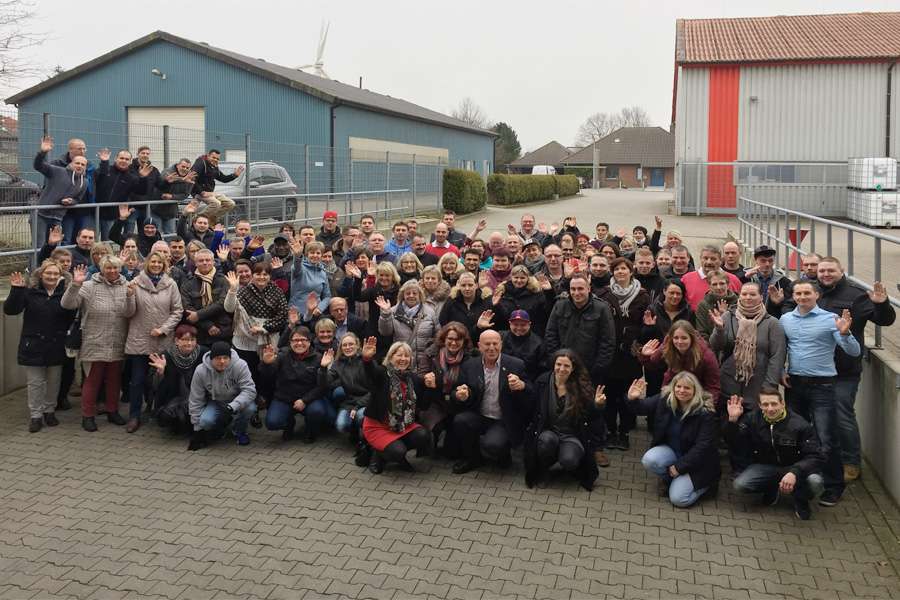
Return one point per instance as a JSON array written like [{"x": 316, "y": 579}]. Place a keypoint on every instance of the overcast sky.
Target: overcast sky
[{"x": 542, "y": 67}]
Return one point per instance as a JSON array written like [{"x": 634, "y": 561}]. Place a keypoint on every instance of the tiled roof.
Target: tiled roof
[
  {"x": 646, "y": 146},
  {"x": 851, "y": 36},
  {"x": 551, "y": 153}
]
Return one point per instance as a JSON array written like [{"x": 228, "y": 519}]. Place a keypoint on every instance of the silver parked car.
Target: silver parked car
[{"x": 266, "y": 179}]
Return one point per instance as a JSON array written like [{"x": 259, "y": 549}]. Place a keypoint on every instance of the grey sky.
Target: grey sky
[{"x": 540, "y": 66}]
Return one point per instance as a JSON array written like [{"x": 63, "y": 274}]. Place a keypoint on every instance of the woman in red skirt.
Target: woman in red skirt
[{"x": 390, "y": 426}]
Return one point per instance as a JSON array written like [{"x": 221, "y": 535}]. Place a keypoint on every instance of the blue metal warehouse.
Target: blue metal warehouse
[{"x": 181, "y": 97}]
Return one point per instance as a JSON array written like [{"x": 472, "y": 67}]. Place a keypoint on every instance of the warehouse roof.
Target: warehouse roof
[
  {"x": 551, "y": 153},
  {"x": 852, "y": 36},
  {"x": 328, "y": 90},
  {"x": 645, "y": 146}
]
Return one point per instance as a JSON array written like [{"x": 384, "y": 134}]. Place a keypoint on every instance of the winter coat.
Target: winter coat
[
  {"x": 104, "y": 322},
  {"x": 295, "y": 378},
  {"x": 306, "y": 278},
  {"x": 79, "y": 256},
  {"x": 179, "y": 189},
  {"x": 516, "y": 407},
  {"x": 782, "y": 282},
  {"x": 790, "y": 443},
  {"x": 653, "y": 283},
  {"x": 350, "y": 374},
  {"x": 587, "y": 471},
  {"x": 60, "y": 183},
  {"x": 455, "y": 309},
  {"x": 528, "y": 348},
  {"x": 588, "y": 331},
  {"x": 419, "y": 334},
  {"x": 625, "y": 365},
  {"x": 214, "y": 313},
  {"x": 710, "y": 301},
  {"x": 64, "y": 160},
  {"x": 175, "y": 382},
  {"x": 380, "y": 403},
  {"x": 663, "y": 321},
  {"x": 44, "y": 324},
  {"x": 699, "y": 438},
  {"x": 152, "y": 307},
  {"x": 189, "y": 233},
  {"x": 537, "y": 303},
  {"x": 329, "y": 239},
  {"x": 847, "y": 295},
  {"x": 150, "y": 191},
  {"x": 234, "y": 386},
  {"x": 368, "y": 295},
  {"x": 113, "y": 185},
  {"x": 771, "y": 348},
  {"x": 707, "y": 371},
  {"x": 144, "y": 243},
  {"x": 437, "y": 300},
  {"x": 207, "y": 175}
]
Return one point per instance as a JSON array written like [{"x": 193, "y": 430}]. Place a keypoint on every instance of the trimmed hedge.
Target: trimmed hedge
[
  {"x": 463, "y": 191},
  {"x": 518, "y": 189}
]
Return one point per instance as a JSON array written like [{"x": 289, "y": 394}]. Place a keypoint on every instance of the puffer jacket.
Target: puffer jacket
[
  {"x": 104, "y": 323},
  {"x": 771, "y": 348},
  {"x": 790, "y": 443},
  {"x": 350, "y": 374},
  {"x": 455, "y": 309},
  {"x": 588, "y": 331},
  {"x": 44, "y": 324},
  {"x": 234, "y": 386},
  {"x": 419, "y": 334},
  {"x": 306, "y": 278},
  {"x": 152, "y": 307}
]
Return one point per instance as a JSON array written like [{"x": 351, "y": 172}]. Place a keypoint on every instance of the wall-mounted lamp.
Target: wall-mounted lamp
[
  {"x": 158, "y": 73},
  {"x": 752, "y": 98}
]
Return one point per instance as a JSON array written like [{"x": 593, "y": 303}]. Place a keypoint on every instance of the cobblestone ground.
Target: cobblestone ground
[{"x": 112, "y": 515}]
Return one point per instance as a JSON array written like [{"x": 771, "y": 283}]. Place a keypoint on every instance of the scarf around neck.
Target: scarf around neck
[
  {"x": 206, "y": 290},
  {"x": 748, "y": 319},
  {"x": 625, "y": 295},
  {"x": 781, "y": 417},
  {"x": 402, "y": 397},
  {"x": 450, "y": 366}
]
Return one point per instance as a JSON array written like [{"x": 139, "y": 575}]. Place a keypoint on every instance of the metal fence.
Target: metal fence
[
  {"x": 814, "y": 188},
  {"x": 282, "y": 181},
  {"x": 867, "y": 256}
]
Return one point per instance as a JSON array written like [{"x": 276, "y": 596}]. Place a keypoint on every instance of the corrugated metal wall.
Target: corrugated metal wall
[
  {"x": 692, "y": 115},
  {"x": 817, "y": 112},
  {"x": 895, "y": 112}
]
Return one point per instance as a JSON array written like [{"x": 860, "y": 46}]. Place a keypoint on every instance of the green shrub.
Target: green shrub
[
  {"x": 463, "y": 191},
  {"x": 518, "y": 189}
]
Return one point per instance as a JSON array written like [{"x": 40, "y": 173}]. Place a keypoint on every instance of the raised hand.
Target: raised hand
[
  {"x": 312, "y": 303},
  {"x": 735, "y": 408},
  {"x": 844, "y": 322},
  {"x": 462, "y": 392},
  {"x": 569, "y": 267},
  {"x": 79, "y": 274},
  {"x": 649, "y": 318},
  {"x": 486, "y": 320},
  {"x": 124, "y": 212},
  {"x": 544, "y": 281},
  {"x": 650, "y": 348},
  {"x": 430, "y": 381},
  {"x": 295, "y": 244},
  {"x": 371, "y": 269},
  {"x": 256, "y": 242},
  {"x": 352, "y": 270},
  {"x": 239, "y": 170},
  {"x": 219, "y": 227},
  {"x": 55, "y": 236},
  {"x": 158, "y": 362},
  {"x": 269, "y": 354},
  {"x": 104, "y": 154},
  {"x": 717, "y": 319},
  {"x": 722, "y": 306},
  {"x": 46, "y": 143},
  {"x": 751, "y": 272},
  {"x": 638, "y": 389},
  {"x": 293, "y": 315},
  {"x": 130, "y": 287},
  {"x": 542, "y": 227},
  {"x": 776, "y": 294},
  {"x": 370, "y": 346},
  {"x": 191, "y": 207},
  {"x": 483, "y": 279},
  {"x": 172, "y": 177},
  {"x": 123, "y": 254},
  {"x": 658, "y": 221},
  {"x": 222, "y": 253},
  {"x": 554, "y": 227},
  {"x": 276, "y": 263},
  {"x": 233, "y": 281},
  {"x": 327, "y": 358},
  {"x": 480, "y": 226},
  {"x": 515, "y": 383},
  {"x": 600, "y": 396},
  {"x": 879, "y": 294},
  {"x": 383, "y": 303},
  {"x": 511, "y": 229},
  {"x": 498, "y": 295},
  {"x": 17, "y": 279},
  {"x": 620, "y": 233},
  {"x": 190, "y": 177}
]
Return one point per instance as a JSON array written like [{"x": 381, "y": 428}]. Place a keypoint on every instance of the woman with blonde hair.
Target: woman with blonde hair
[
  {"x": 435, "y": 288},
  {"x": 381, "y": 281},
  {"x": 450, "y": 268},
  {"x": 98, "y": 251},
  {"x": 410, "y": 321},
  {"x": 683, "y": 453},
  {"x": 410, "y": 267}
]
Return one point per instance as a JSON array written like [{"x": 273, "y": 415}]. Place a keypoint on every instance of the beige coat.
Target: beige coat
[
  {"x": 103, "y": 321},
  {"x": 152, "y": 307}
]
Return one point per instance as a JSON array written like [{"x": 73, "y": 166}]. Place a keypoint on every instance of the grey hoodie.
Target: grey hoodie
[
  {"x": 61, "y": 182},
  {"x": 233, "y": 386}
]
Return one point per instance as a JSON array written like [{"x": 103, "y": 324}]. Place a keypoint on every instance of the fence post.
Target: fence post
[
  {"x": 387, "y": 184},
  {"x": 877, "y": 278},
  {"x": 46, "y": 124},
  {"x": 246, "y": 179},
  {"x": 413, "y": 185},
  {"x": 699, "y": 189},
  {"x": 36, "y": 240},
  {"x": 306, "y": 170},
  {"x": 850, "y": 252},
  {"x": 440, "y": 186},
  {"x": 166, "y": 157}
]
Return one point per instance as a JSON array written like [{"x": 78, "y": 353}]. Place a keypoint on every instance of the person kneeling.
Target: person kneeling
[
  {"x": 560, "y": 431},
  {"x": 685, "y": 436},
  {"x": 781, "y": 448},
  {"x": 390, "y": 425},
  {"x": 222, "y": 390}
]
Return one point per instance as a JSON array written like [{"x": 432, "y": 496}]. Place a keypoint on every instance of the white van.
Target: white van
[{"x": 543, "y": 170}]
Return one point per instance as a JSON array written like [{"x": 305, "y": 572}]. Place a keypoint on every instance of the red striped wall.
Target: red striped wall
[{"x": 722, "y": 140}]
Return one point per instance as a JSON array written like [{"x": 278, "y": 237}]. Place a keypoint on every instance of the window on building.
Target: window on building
[{"x": 612, "y": 172}]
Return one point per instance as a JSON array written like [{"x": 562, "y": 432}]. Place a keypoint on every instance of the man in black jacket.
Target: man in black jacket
[
  {"x": 520, "y": 341},
  {"x": 116, "y": 184},
  {"x": 329, "y": 233},
  {"x": 203, "y": 299},
  {"x": 780, "y": 450},
  {"x": 81, "y": 253},
  {"x": 198, "y": 230},
  {"x": 207, "y": 169},
  {"x": 836, "y": 295},
  {"x": 495, "y": 403},
  {"x": 175, "y": 184}
]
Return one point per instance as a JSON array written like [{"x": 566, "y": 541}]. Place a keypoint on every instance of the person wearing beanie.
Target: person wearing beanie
[
  {"x": 329, "y": 232},
  {"x": 222, "y": 391},
  {"x": 148, "y": 232}
]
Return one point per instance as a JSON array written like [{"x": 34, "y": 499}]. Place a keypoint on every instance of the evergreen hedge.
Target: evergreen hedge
[
  {"x": 463, "y": 191},
  {"x": 518, "y": 189}
]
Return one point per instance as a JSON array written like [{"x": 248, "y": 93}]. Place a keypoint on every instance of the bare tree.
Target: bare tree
[
  {"x": 595, "y": 127},
  {"x": 470, "y": 113},
  {"x": 634, "y": 116},
  {"x": 16, "y": 35}
]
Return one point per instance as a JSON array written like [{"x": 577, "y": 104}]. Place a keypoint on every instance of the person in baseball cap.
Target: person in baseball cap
[
  {"x": 519, "y": 315},
  {"x": 763, "y": 251},
  {"x": 329, "y": 232},
  {"x": 523, "y": 343}
]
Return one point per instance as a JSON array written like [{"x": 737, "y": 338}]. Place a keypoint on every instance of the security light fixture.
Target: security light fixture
[{"x": 158, "y": 73}]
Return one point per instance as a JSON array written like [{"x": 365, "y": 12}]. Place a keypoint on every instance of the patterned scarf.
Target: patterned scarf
[
  {"x": 206, "y": 290},
  {"x": 745, "y": 341},
  {"x": 625, "y": 295},
  {"x": 184, "y": 361},
  {"x": 402, "y": 396},
  {"x": 450, "y": 366},
  {"x": 407, "y": 315}
]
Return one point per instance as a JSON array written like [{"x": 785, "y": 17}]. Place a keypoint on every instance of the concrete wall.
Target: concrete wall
[
  {"x": 878, "y": 413},
  {"x": 12, "y": 377}
]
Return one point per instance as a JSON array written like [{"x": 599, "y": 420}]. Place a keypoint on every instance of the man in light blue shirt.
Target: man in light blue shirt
[
  {"x": 812, "y": 335},
  {"x": 399, "y": 245}
]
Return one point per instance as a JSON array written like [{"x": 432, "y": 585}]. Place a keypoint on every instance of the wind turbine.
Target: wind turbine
[{"x": 318, "y": 66}]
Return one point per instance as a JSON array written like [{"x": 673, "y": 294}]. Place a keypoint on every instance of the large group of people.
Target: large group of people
[{"x": 459, "y": 346}]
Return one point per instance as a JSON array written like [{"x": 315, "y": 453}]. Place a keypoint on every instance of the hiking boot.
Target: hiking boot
[
  {"x": 612, "y": 441},
  {"x": 50, "y": 420},
  {"x": 601, "y": 458},
  {"x": 115, "y": 418},
  {"x": 89, "y": 424},
  {"x": 851, "y": 473},
  {"x": 363, "y": 454},
  {"x": 35, "y": 425}
]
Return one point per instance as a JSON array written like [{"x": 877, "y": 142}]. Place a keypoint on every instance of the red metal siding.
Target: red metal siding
[{"x": 722, "y": 142}]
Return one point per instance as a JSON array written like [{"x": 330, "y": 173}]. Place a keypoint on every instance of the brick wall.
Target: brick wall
[{"x": 628, "y": 177}]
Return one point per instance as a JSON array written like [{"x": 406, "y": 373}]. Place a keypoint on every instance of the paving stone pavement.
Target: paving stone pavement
[{"x": 112, "y": 515}]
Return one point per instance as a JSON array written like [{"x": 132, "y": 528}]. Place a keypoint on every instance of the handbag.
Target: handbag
[{"x": 74, "y": 334}]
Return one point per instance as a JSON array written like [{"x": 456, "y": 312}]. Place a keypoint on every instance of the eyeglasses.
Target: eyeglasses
[{"x": 299, "y": 341}]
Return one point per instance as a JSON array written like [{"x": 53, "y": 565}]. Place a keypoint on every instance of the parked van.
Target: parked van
[{"x": 543, "y": 170}]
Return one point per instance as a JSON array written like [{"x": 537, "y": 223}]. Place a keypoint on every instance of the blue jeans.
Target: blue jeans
[
  {"x": 815, "y": 402},
  {"x": 848, "y": 430},
  {"x": 44, "y": 225},
  {"x": 759, "y": 478},
  {"x": 71, "y": 224},
  {"x": 209, "y": 417},
  {"x": 137, "y": 365},
  {"x": 319, "y": 414},
  {"x": 105, "y": 226},
  {"x": 682, "y": 494},
  {"x": 166, "y": 226},
  {"x": 343, "y": 423}
]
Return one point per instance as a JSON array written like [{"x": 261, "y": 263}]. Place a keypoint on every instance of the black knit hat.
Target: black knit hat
[{"x": 220, "y": 349}]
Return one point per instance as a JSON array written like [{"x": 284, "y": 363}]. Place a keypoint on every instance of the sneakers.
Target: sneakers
[
  {"x": 50, "y": 420},
  {"x": 242, "y": 439},
  {"x": 851, "y": 473},
  {"x": 802, "y": 509},
  {"x": 601, "y": 459},
  {"x": 35, "y": 425},
  {"x": 115, "y": 418},
  {"x": 89, "y": 424},
  {"x": 829, "y": 498},
  {"x": 771, "y": 496}
]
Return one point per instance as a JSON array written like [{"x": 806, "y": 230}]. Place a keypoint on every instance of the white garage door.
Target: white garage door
[{"x": 187, "y": 127}]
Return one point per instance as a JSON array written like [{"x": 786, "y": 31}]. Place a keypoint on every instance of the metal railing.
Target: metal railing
[{"x": 786, "y": 230}]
